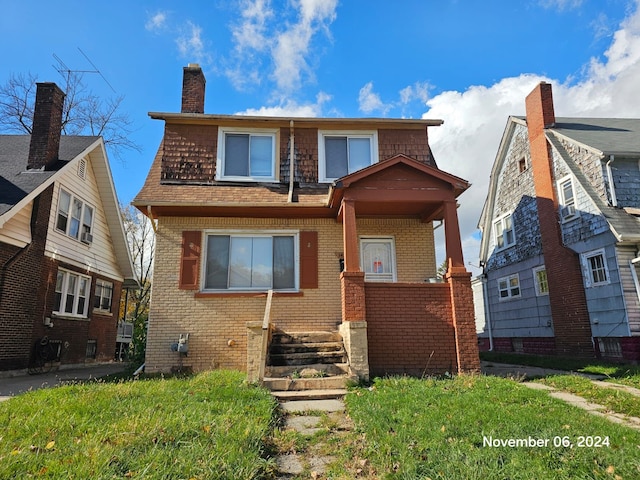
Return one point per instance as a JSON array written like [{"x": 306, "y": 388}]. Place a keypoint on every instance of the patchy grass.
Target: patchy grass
[
  {"x": 211, "y": 425},
  {"x": 437, "y": 429},
  {"x": 615, "y": 400}
]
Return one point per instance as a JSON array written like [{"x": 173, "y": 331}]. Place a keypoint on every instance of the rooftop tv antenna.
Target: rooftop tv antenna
[{"x": 63, "y": 70}]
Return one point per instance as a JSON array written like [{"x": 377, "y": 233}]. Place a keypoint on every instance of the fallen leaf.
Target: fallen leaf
[
  {"x": 50, "y": 445},
  {"x": 611, "y": 469},
  {"x": 442, "y": 429}
]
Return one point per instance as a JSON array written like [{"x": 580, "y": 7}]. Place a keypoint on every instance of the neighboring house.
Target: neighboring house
[
  {"x": 561, "y": 235},
  {"x": 334, "y": 215},
  {"x": 63, "y": 252}
]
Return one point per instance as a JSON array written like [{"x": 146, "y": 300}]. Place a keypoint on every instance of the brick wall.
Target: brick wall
[
  {"x": 214, "y": 320},
  {"x": 410, "y": 329},
  {"x": 21, "y": 289}
]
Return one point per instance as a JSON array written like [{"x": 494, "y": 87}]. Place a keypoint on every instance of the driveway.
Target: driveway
[{"x": 17, "y": 384}]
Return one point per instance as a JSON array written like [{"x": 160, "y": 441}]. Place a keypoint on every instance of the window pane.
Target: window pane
[
  {"x": 598, "y": 270},
  {"x": 335, "y": 149},
  {"x": 71, "y": 290},
  {"x": 236, "y": 155},
  {"x": 63, "y": 211},
  {"x": 59, "y": 289},
  {"x": 359, "y": 153},
  {"x": 107, "y": 294},
  {"x": 283, "y": 263},
  {"x": 76, "y": 212},
  {"x": 262, "y": 262},
  {"x": 377, "y": 257},
  {"x": 97, "y": 297},
  {"x": 240, "y": 262},
  {"x": 261, "y": 156},
  {"x": 567, "y": 192},
  {"x": 87, "y": 219},
  {"x": 499, "y": 237},
  {"x": 217, "y": 269}
]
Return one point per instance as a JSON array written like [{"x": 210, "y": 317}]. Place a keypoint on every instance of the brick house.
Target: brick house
[
  {"x": 561, "y": 235},
  {"x": 334, "y": 215},
  {"x": 63, "y": 252}
]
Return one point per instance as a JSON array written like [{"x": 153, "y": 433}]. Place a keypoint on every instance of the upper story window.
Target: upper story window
[
  {"x": 596, "y": 272},
  {"x": 246, "y": 154},
  {"x": 103, "y": 295},
  {"x": 377, "y": 259},
  {"x": 567, "y": 199},
  {"x": 540, "y": 281},
  {"x": 72, "y": 294},
  {"x": 509, "y": 287},
  {"x": 522, "y": 165},
  {"x": 75, "y": 217},
  {"x": 341, "y": 153},
  {"x": 504, "y": 233},
  {"x": 251, "y": 261}
]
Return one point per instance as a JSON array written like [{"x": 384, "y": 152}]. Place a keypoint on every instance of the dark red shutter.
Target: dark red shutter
[
  {"x": 190, "y": 260},
  {"x": 308, "y": 259}
]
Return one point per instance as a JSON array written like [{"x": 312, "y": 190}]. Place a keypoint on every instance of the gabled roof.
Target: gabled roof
[
  {"x": 19, "y": 186},
  {"x": 16, "y": 182}
]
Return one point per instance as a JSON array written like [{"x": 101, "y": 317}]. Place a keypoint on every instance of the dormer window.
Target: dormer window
[
  {"x": 343, "y": 152},
  {"x": 246, "y": 155}
]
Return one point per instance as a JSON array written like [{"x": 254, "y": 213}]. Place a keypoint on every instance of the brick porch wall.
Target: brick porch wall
[{"x": 410, "y": 328}]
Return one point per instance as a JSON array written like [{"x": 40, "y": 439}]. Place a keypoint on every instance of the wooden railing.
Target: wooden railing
[{"x": 266, "y": 334}]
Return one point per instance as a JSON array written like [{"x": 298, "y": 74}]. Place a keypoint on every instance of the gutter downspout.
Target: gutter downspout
[
  {"x": 487, "y": 314},
  {"x": 612, "y": 188},
  {"x": 291, "y": 160}
]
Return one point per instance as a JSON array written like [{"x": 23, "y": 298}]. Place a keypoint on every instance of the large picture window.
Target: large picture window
[
  {"x": 342, "y": 153},
  {"x": 75, "y": 217},
  {"x": 246, "y": 155},
  {"x": 72, "y": 294},
  {"x": 251, "y": 262}
]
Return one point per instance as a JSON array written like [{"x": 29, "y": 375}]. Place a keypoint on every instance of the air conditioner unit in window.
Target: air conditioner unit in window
[
  {"x": 568, "y": 211},
  {"x": 86, "y": 237}
]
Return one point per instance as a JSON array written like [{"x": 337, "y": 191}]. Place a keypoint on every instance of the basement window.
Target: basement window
[{"x": 610, "y": 347}]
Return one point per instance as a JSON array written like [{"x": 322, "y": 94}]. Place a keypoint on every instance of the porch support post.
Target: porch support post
[
  {"x": 452, "y": 235},
  {"x": 350, "y": 236},
  {"x": 464, "y": 325}
]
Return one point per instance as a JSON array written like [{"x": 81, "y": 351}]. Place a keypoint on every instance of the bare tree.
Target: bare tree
[
  {"x": 84, "y": 112},
  {"x": 134, "y": 305}
]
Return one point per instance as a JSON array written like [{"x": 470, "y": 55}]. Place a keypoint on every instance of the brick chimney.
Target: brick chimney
[
  {"x": 47, "y": 126},
  {"x": 567, "y": 297},
  {"x": 193, "y": 84}
]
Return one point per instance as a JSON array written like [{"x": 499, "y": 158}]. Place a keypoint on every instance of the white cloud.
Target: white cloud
[
  {"x": 474, "y": 120},
  {"x": 369, "y": 101},
  {"x": 418, "y": 91},
  {"x": 291, "y": 108},
  {"x": 561, "y": 4},
  {"x": 191, "y": 44},
  {"x": 156, "y": 22}
]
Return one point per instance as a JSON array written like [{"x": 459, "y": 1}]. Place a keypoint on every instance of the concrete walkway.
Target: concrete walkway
[
  {"x": 15, "y": 383},
  {"x": 523, "y": 373},
  {"x": 309, "y": 418}
]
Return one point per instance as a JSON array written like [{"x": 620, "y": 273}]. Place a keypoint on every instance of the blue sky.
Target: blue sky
[{"x": 468, "y": 63}]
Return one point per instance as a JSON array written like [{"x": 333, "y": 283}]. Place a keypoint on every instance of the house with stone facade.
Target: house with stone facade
[
  {"x": 63, "y": 253},
  {"x": 281, "y": 239},
  {"x": 561, "y": 236}
]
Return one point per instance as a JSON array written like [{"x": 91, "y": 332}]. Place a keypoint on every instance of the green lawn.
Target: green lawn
[
  {"x": 209, "y": 426},
  {"x": 439, "y": 429},
  {"x": 215, "y": 426}
]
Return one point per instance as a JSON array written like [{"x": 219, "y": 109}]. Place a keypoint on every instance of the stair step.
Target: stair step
[
  {"x": 306, "y": 347},
  {"x": 306, "y": 358},
  {"x": 298, "y": 395},
  {"x": 299, "y": 384},
  {"x": 314, "y": 370},
  {"x": 305, "y": 337}
]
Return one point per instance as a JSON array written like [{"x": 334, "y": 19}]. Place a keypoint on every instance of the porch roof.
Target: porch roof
[{"x": 399, "y": 186}]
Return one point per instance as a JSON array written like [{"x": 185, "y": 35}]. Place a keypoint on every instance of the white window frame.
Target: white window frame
[
  {"x": 62, "y": 288},
  {"x": 536, "y": 281},
  {"x": 101, "y": 287},
  {"x": 502, "y": 221},
  {"x": 587, "y": 265},
  {"x": 252, "y": 234},
  {"x": 509, "y": 287},
  {"x": 372, "y": 135},
  {"x": 85, "y": 229},
  {"x": 221, "y": 156},
  {"x": 371, "y": 276},
  {"x": 568, "y": 210}
]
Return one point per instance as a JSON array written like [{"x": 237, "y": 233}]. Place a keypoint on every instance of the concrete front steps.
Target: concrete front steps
[{"x": 307, "y": 365}]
